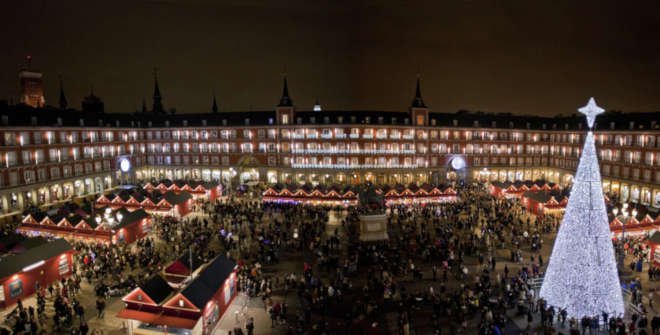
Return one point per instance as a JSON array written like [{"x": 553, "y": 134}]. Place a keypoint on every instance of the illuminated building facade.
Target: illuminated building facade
[{"x": 49, "y": 157}]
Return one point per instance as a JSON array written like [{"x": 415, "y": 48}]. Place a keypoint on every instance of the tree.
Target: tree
[{"x": 582, "y": 276}]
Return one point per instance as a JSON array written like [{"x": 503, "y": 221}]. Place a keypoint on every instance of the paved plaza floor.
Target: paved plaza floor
[{"x": 243, "y": 307}]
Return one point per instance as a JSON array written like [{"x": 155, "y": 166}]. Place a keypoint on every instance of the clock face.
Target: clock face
[
  {"x": 458, "y": 163},
  {"x": 124, "y": 165}
]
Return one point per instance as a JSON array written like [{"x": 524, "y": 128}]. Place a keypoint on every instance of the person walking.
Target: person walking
[{"x": 100, "y": 307}]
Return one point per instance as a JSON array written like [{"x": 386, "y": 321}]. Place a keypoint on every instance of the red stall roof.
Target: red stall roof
[{"x": 35, "y": 250}]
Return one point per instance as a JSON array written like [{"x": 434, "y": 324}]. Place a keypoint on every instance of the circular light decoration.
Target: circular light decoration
[
  {"x": 458, "y": 163},
  {"x": 124, "y": 165}
]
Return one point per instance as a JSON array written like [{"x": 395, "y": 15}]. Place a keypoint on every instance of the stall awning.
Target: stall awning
[{"x": 157, "y": 319}]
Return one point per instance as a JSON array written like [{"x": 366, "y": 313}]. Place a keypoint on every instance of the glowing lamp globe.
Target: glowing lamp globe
[
  {"x": 124, "y": 165},
  {"x": 458, "y": 163}
]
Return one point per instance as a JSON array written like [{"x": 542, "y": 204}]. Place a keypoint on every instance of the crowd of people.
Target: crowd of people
[{"x": 466, "y": 266}]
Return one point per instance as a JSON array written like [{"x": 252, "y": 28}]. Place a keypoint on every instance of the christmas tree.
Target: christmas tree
[{"x": 582, "y": 275}]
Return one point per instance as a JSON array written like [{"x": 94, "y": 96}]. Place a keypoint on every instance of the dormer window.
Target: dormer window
[{"x": 181, "y": 303}]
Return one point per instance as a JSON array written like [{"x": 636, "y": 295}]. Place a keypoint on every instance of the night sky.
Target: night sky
[{"x": 524, "y": 57}]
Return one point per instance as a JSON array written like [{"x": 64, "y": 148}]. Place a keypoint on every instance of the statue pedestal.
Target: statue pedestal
[{"x": 373, "y": 227}]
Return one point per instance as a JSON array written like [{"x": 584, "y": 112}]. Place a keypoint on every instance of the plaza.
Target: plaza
[{"x": 457, "y": 267}]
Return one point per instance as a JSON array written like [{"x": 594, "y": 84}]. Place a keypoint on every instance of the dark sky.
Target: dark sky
[{"x": 518, "y": 56}]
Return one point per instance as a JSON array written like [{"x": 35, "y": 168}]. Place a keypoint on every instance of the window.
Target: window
[
  {"x": 10, "y": 158},
  {"x": 29, "y": 176},
  {"x": 420, "y": 120},
  {"x": 10, "y": 139},
  {"x": 54, "y": 172},
  {"x": 285, "y": 119},
  {"x": 26, "y": 157}
]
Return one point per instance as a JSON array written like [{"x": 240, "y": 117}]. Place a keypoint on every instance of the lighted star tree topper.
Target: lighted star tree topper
[{"x": 582, "y": 275}]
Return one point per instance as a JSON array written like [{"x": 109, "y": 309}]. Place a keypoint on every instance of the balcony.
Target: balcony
[
  {"x": 354, "y": 151},
  {"x": 353, "y": 166}
]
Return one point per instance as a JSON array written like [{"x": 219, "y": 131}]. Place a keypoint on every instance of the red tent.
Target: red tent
[
  {"x": 47, "y": 221},
  {"x": 83, "y": 225},
  {"x": 332, "y": 195},
  {"x": 391, "y": 193},
  {"x": 64, "y": 223},
  {"x": 102, "y": 200},
  {"x": 199, "y": 189},
  {"x": 29, "y": 219},
  {"x": 147, "y": 204},
  {"x": 132, "y": 202},
  {"x": 435, "y": 192},
  {"x": 511, "y": 189},
  {"x": 348, "y": 195},
  {"x": 421, "y": 193}
]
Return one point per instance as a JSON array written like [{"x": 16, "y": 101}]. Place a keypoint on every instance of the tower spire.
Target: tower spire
[
  {"x": 62, "y": 102},
  {"x": 418, "y": 102},
  {"x": 285, "y": 100},
  {"x": 214, "y": 107},
  {"x": 157, "y": 99}
]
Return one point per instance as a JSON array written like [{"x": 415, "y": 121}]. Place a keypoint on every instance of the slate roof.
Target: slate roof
[
  {"x": 185, "y": 260},
  {"x": 37, "y": 249},
  {"x": 209, "y": 281},
  {"x": 177, "y": 198},
  {"x": 157, "y": 288},
  {"x": 129, "y": 217}
]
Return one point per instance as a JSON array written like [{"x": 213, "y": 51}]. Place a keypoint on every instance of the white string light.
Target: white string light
[{"x": 582, "y": 275}]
